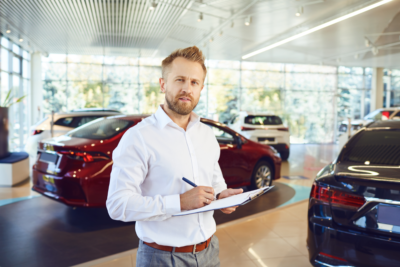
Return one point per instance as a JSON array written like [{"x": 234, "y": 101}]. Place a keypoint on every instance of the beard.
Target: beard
[{"x": 182, "y": 108}]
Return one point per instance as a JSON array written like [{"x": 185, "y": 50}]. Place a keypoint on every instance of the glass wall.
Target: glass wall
[
  {"x": 391, "y": 81},
  {"x": 311, "y": 100},
  {"x": 354, "y": 93},
  {"x": 15, "y": 79}
]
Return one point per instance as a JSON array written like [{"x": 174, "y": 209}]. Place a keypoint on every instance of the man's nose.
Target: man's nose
[{"x": 187, "y": 87}]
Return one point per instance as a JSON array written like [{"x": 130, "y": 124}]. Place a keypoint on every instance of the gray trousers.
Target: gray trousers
[{"x": 148, "y": 256}]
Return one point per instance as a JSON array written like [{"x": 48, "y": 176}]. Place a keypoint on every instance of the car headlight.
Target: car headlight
[{"x": 274, "y": 150}]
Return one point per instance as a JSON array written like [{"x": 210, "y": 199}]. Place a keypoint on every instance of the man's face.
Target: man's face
[{"x": 183, "y": 85}]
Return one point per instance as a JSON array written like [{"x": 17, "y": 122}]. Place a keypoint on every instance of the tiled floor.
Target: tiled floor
[{"x": 273, "y": 238}]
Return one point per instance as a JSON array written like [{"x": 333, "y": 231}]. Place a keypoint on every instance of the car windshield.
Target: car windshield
[
  {"x": 379, "y": 115},
  {"x": 374, "y": 147},
  {"x": 263, "y": 120},
  {"x": 103, "y": 128}
]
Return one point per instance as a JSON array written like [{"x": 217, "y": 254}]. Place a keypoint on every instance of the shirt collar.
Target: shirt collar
[{"x": 163, "y": 119}]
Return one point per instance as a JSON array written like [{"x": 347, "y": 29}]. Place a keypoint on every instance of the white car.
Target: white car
[
  {"x": 376, "y": 115},
  {"x": 63, "y": 123},
  {"x": 265, "y": 129}
]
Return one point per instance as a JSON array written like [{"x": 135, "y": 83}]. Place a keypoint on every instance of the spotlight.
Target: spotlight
[
  {"x": 367, "y": 42},
  {"x": 247, "y": 21},
  {"x": 20, "y": 38},
  {"x": 200, "y": 17},
  {"x": 8, "y": 30},
  {"x": 300, "y": 11},
  {"x": 375, "y": 51},
  {"x": 153, "y": 5},
  {"x": 220, "y": 33},
  {"x": 211, "y": 39}
]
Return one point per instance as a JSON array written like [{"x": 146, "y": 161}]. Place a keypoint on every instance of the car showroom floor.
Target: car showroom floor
[{"x": 272, "y": 237}]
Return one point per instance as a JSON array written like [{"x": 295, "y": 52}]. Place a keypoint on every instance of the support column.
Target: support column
[
  {"x": 36, "y": 90},
  {"x": 377, "y": 89}
]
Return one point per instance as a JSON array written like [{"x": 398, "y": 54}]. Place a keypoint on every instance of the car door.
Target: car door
[{"x": 232, "y": 161}]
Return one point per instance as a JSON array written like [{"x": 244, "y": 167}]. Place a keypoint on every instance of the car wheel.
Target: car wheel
[
  {"x": 262, "y": 175},
  {"x": 285, "y": 155}
]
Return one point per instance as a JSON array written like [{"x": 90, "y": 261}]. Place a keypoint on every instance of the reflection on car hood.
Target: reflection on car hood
[{"x": 357, "y": 122}]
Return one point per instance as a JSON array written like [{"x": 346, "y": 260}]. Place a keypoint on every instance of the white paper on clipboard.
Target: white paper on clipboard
[{"x": 236, "y": 200}]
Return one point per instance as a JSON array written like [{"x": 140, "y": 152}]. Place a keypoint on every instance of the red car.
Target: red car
[{"x": 75, "y": 168}]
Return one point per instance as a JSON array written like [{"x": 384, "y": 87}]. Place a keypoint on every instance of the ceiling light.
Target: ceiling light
[
  {"x": 232, "y": 24},
  {"x": 247, "y": 21},
  {"x": 8, "y": 30},
  {"x": 153, "y": 5},
  {"x": 324, "y": 25},
  {"x": 220, "y": 33},
  {"x": 367, "y": 42},
  {"x": 300, "y": 11},
  {"x": 375, "y": 51},
  {"x": 356, "y": 56},
  {"x": 200, "y": 17},
  {"x": 211, "y": 39},
  {"x": 20, "y": 38},
  {"x": 202, "y": 4}
]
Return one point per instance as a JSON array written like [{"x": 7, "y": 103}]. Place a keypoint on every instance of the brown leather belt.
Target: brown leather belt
[{"x": 186, "y": 249}]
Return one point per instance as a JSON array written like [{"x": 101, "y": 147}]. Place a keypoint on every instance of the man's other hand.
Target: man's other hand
[
  {"x": 227, "y": 193},
  {"x": 197, "y": 197}
]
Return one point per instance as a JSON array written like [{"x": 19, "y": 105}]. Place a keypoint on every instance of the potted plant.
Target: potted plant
[{"x": 8, "y": 102}]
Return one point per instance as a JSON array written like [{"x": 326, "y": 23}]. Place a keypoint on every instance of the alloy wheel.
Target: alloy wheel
[{"x": 263, "y": 176}]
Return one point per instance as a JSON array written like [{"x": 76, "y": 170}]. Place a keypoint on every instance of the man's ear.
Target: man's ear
[{"x": 163, "y": 85}]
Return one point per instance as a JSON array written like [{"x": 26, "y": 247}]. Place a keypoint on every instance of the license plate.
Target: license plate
[
  {"x": 389, "y": 214},
  {"x": 48, "y": 157},
  {"x": 266, "y": 139}
]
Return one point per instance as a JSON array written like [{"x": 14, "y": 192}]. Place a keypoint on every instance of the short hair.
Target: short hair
[{"x": 192, "y": 53}]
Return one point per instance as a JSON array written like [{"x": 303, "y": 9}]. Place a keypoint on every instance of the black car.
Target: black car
[{"x": 354, "y": 207}]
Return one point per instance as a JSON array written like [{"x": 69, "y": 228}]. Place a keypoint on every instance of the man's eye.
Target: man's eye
[{"x": 195, "y": 82}]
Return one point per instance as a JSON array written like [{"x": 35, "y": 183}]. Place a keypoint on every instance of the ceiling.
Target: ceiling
[{"x": 129, "y": 27}]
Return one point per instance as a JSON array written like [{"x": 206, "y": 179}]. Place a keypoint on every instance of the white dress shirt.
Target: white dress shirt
[{"x": 146, "y": 179}]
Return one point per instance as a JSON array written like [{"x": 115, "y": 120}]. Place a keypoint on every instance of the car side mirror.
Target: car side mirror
[{"x": 239, "y": 142}]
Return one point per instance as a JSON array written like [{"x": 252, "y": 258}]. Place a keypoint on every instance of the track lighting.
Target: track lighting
[
  {"x": 375, "y": 51},
  {"x": 20, "y": 38},
  {"x": 316, "y": 28},
  {"x": 367, "y": 42},
  {"x": 247, "y": 21},
  {"x": 200, "y": 17},
  {"x": 153, "y": 5},
  {"x": 8, "y": 30},
  {"x": 300, "y": 11}
]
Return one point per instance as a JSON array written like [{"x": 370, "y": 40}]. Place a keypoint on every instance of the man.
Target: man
[{"x": 150, "y": 161}]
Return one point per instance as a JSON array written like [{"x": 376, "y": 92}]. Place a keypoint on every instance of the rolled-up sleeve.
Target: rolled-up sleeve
[{"x": 125, "y": 201}]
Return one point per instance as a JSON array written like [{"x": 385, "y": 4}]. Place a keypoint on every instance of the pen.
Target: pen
[
  {"x": 189, "y": 182},
  {"x": 192, "y": 184}
]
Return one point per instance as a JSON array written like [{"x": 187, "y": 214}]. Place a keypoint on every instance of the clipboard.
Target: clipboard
[{"x": 232, "y": 201}]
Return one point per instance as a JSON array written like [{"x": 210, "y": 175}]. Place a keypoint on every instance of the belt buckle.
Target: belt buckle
[{"x": 194, "y": 248}]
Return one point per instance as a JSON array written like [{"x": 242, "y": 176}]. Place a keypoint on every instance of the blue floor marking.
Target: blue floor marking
[
  {"x": 13, "y": 200},
  {"x": 302, "y": 193}
]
